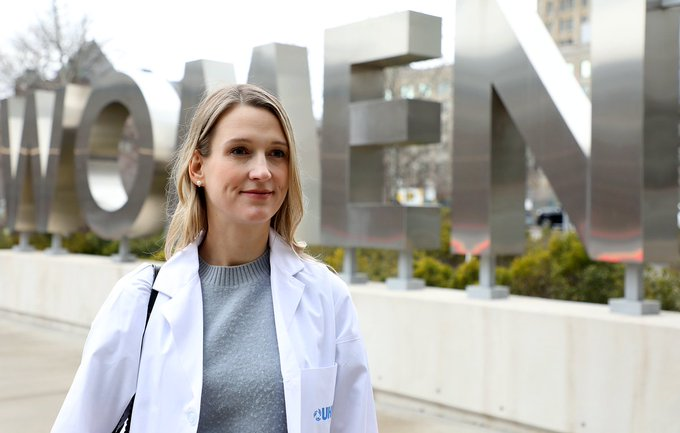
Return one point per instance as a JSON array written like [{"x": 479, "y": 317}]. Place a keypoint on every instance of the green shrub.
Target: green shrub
[
  {"x": 467, "y": 273},
  {"x": 332, "y": 256},
  {"x": 434, "y": 272},
  {"x": 378, "y": 265},
  {"x": 663, "y": 284},
  {"x": 560, "y": 268}
]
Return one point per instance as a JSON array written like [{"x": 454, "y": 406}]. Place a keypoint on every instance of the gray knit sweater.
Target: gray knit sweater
[{"x": 242, "y": 384}]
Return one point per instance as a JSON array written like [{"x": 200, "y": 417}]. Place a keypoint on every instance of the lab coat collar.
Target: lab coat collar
[{"x": 180, "y": 270}]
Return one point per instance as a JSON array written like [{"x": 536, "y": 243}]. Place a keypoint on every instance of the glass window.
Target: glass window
[
  {"x": 586, "y": 69},
  {"x": 566, "y": 5},
  {"x": 566, "y": 25},
  {"x": 424, "y": 90},
  {"x": 585, "y": 31},
  {"x": 570, "y": 67},
  {"x": 388, "y": 94},
  {"x": 407, "y": 92},
  {"x": 548, "y": 8}
]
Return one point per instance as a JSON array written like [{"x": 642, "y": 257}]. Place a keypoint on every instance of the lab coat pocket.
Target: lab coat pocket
[{"x": 318, "y": 392}]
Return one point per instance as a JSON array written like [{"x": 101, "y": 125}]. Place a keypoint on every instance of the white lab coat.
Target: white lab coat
[{"x": 326, "y": 380}]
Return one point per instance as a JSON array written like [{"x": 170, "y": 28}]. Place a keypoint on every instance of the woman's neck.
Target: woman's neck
[{"x": 233, "y": 246}]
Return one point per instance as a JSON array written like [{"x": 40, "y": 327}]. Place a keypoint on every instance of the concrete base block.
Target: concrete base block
[
  {"x": 56, "y": 251},
  {"x": 634, "y": 308},
  {"x": 23, "y": 248},
  {"x": 123, "y": 258},
  {"x": 405, "y": 283},
  {"x": 481, "y": 292},
  {"x": 355, "y": 278}
]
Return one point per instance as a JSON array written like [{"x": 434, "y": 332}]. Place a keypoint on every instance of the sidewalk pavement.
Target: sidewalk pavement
[{"x": 37, "y": 363}]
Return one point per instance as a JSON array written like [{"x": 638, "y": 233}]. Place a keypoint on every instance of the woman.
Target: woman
[{"x": 247, "y": 333}]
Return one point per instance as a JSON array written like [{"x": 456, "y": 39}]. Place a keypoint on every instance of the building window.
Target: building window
[
  {"x": 548, "y": 8},
  {"x": 585, "y": 31},
  {"x": 586, "y": 69},
  {"x": 570, "y": 67},
  {"x": 584, "y": 2},
  {"x": 407, "y": 92},
  {"x": 388, "y": 94},
  {"x": 424, "y": 90},
  {"x": 444, "y": 89},
  {"x": 566, "y": 5},
  {"x": 566, "y": 25}
]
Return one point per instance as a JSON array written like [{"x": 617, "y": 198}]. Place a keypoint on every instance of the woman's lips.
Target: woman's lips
[{"x": 257, "y": 193}]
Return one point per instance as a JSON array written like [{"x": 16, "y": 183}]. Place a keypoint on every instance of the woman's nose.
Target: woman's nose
[{"x": 260, "y": 168}]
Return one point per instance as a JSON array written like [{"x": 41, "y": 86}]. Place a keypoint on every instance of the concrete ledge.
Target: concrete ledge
[
  {"x": 552, "y": 365},
  {"x": 65, "y": 288}
]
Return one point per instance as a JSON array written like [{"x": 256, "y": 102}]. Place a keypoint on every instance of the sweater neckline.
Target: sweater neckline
[{"x": 230, "y": 276}]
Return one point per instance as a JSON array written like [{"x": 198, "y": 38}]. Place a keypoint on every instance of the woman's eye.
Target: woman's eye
[
  {"x": 239, "y": 151},
  {"x": 278, "y": 153}
]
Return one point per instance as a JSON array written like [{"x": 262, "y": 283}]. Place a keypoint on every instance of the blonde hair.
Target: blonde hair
[{"x": 189, "y": 217}]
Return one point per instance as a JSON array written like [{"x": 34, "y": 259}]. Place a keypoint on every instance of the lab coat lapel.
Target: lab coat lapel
[
  {"x": 286, "y": 294},
  {"x": 286, "y": 289},
  {"x": 178, "y": 279}
]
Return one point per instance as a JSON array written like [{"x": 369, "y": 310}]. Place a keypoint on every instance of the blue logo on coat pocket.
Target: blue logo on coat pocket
[{"x": 323, "y": 414}]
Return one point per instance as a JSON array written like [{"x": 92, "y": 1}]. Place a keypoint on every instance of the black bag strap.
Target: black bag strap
[{"x": 123, "y": 425}]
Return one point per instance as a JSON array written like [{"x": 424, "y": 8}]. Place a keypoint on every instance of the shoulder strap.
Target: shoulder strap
[{"x": 123, "y": 425}]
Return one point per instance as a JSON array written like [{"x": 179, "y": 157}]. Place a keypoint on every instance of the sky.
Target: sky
[{"x": 162, "y": 36}]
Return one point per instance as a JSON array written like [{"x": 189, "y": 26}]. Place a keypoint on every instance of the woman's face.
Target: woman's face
[{"x": 246, "y": 175}]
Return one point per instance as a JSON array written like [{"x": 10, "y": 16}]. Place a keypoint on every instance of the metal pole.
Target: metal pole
[
  {"x": 350, "y": 271},
  {"x": 123, "y": 254},
  {"x": 487, "y": 288},
  {"x": 56, "y": 246},
  {"x": 405, "y": 280},
  {"x": 24, "y": 245},
  {"x": 633, "y": 302}
]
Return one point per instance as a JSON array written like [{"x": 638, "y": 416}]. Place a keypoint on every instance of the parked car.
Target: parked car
[{"x": 549, "y": 216}]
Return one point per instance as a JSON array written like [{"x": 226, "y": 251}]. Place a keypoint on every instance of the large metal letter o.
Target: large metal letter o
[{"x": 123, "y": 146}]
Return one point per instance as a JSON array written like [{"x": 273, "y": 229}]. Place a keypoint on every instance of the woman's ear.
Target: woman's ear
[{"x": 196, "y": 167}]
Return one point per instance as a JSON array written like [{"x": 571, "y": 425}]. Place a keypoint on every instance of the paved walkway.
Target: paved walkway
[{"x": 37, "y": 364}]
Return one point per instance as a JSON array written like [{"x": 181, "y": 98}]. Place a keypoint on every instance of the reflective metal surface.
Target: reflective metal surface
[
  {"x": 58, "y": 207},
  {"x": 33, "y": 156},
  {"x": 15, "y": 167},
  {"x": 284, "y": 70},
  {"x": 123, "y": 146},
  {"x": 635, "y": 133},
  {"x": 354, "y": 209},
  {"x": 200, "y": 77},
  {"x": 512, "y": 88}
]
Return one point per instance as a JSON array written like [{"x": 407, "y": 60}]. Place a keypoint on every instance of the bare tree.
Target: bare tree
[{"x": 50, "y": 53}]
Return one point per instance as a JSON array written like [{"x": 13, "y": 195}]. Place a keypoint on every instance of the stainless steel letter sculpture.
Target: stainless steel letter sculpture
[
  {"x": 283, "y": 70},
  {"x": 200, "y": 77},
  {"x": 634, "y": 163},
  {"x": 37, "y": 141},
  {"x": 121, "y": 183},
  {"x": 512, "y": 88},
  {"x": 58, "y": 209},
  {"x": 15, "y": 166},
  {"x": 358, "y": 123}
]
